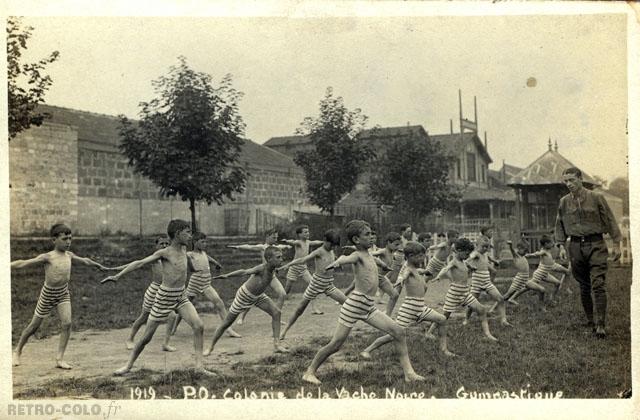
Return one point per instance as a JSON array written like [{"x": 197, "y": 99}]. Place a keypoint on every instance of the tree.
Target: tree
[
  {"x": 338, "y": 157},
  {"x": 620, "y": 188},
  {"x": 188, "y": 139},
  {"x": 413, "y": 176},
  {"x": 25, "y": 82}
]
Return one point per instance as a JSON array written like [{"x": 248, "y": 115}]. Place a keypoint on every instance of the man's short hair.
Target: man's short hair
[
  {"x": 573, "y": 171},
  {"x": 354, "y": 228},
  {"x": 59, "y": 229},
  {"x": 198, "y": 235},
  {"x": 463, "y": 244},
  {"x": 412, "y": 248},
  {"x": 392, "y": 237},
  {"x": 175, "y": 226},
  {"x": 332, "y": 236}
]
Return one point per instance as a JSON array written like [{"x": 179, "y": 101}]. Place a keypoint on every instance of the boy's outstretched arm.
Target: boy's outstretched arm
[
  {"x": 381, "y": 263},
  {"x": 343, "y": 260},
  {"x": 215, "y": 263},
  {"x": 134, "y": 265},
  {"x": 315, "y": 243},
  {"x": 247, "y": 247},
  {"x": 241, "y": 272},
  {"x": 301, "y": 260},
  {"x": 40, "y": 259},
  {"x": 444, "y": 272},
  {"x": 511, "y": 249},
  {"x": 88, "y": 262}
]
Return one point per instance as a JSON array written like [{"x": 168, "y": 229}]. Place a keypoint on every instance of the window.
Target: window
[
  {"x": 471, "y": 167},
  {"x": 483, "y": 173}
]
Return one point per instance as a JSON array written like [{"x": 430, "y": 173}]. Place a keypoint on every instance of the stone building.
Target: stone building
[{"x": 70, "y": 170}]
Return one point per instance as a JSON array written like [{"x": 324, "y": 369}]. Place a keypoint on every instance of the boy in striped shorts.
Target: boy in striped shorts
[
  {"x": 55, "y": 291},
  {"x": 322, "y": 281},
  {"x": 149, "y": 298},
  {"x": 301, "y": 271},
  {"x": 459, "y": 293},
  {"x": 413, "y": 309},
  {"x": 481, "y": 280},
  {"x": 170, "y": 296},
  {"x": 250, "y": 294},
  {"x": 521, "y": 280},
  {"x": 360, "y": 305},
  {"x": 389, "y": 256},
  {"x": 199, "y": 283}
]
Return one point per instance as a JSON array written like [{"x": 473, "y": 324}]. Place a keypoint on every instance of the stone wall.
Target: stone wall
[{"x": 43, "y": 176}]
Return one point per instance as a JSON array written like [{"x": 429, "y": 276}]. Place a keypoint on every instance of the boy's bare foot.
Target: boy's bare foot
[
  {"x": 232, "y": 333},
  {"x": 505, "y": 323},
  {"x": 61, "y": 364},
  {"x": 122, "y": 371},
  {"x": 311, "y": 378},
  {"x": 166, "y": 347},
  {"x": 207, "y": 352},
  {"x": 448, "y": 353},
  {"x": 130, "y": 344},
  {"x": 491, "y": 338},
  {"x": 279, "y": 348},
  {"x": 240, "y": 321},
  {"x": 365, "y": 355},
  {"x": 16, "y": 359},
  {"x": 413, "y": 377},
  {"x": 282, "y": 335},
  {"x": 317, "y": 312},
  {"x": 465, "y": 322},
  {"x": 201, "y": 370},
  {"x": 430, "y": 336}
]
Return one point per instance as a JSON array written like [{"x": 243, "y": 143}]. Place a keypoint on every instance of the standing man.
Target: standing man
[{"x": 583, "y": 217}]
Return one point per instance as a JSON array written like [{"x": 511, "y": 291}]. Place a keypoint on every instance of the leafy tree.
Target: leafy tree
[
  {"x": 188, "y": 139},
  {"x": 338, "y": 157},
  {"x": 413, "y": 176},
  {"x": 25, "y": 82},
  {"x": 620, "y": 188}
]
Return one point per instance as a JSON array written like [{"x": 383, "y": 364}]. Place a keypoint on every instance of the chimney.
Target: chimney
[
  {"x": 556, "y": 145},
  {"x": 550, "y": 143},
  {"x": 504, "y": 172},
  {"x": 451, "y": 125},
  {"x": 485, "y": 142}
]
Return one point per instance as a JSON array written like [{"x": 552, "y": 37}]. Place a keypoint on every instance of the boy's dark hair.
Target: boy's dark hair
[
  {"x": 573, "y": 171},
  {"x": 482, "y": 241},
  {"x": 270, "y": 252},
  {"x": 354, "y": 228},
  {"x": 391, "y": 237},
  {"x": 484, "y": 229},
  {"x": 522, "y": 245},
  {"x": 59, "y": 229},
  {"x": 424, "y": 235},
  {"x": 270, "y": 232},
  {"x": 452, "y": 233},
  {"x": 413, "y": 248},
  {"x": 404, "y": 227},
  {"x": 175, "y": 226},
  {"x": 463, "y": 244},
  {"x": 332, "y": 236},
  {"x": 300, "y": 228},
  {"x": 545, "y": 239},
  {"x": 198, "y": 235},
  {"x": 160, "y": 238},
  {"x": 441, "y": 234}
]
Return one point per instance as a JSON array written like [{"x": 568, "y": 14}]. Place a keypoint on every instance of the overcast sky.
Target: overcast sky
[{"x": 397, "y": 70}]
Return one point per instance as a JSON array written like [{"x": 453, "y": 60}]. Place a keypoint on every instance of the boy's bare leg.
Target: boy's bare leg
[
  {"x": 306, "y": 276},
  {"x": 302, "y": 306},
  {"x": 188, "y": 312},
  {"x": 173, "y": 320},
  {"x": 382, "y": 322},
  {"x": 552, "y": 279},
  {"x": 393, "y": 299},
  {"x": 139, "y": 322},
  {"x": 279, "y": 290},
  {"x": 64, "y": 312},
  {"x": 468, "y": 311},
  {"x": 500, "y": 305},
  {"x": 24, "y": 337},
  {"x": 379, "y": 342},
  {"x": 228, "y": 321},
  {"x": 212, "y": 296},
  {"x": 441, "y": 321},
  {"x": 481, "y": 310},
  {"x": 242, "y": 317},
  {"x": 339, "y": 336},
  {"x": 337, "y": 295},
  {"x": 149, "y": 331},
  {"x": 269, "y": 307},
  {"x": 175, "y": 323},
  {"x": 532, "y": 285}
]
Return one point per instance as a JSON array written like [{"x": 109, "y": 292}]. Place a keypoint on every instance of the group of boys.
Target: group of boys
[{"x": 407, "y": 263}]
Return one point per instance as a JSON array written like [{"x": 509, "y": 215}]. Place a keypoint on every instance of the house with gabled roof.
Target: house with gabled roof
[{"x": 70, "y": 170}]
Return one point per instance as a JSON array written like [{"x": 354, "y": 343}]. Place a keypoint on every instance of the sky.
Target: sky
[{"x": 399, "y": 71}]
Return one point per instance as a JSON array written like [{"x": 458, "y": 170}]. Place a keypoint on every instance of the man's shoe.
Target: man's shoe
[{"x": 600, "y": 332}]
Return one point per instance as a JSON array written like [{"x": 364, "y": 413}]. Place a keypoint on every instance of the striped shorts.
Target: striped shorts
[
  {"x": 167, "y": 301},
  {"x": 457, "y": 297},
  {"x": 296, "y": 272},
  {"x": 412, "y": 311},
  {"x": 51, "y": 297},
  {"x": 481, "y": 281},
  {"x": 318, "y": 285},
  {"x": 150, "y": 296},
  {"x": 245, "y": 299},
  {"x": 541, "y": 272},
  {"x": 435, "y": 265},
  {"x": 519, "y": 282},
  {"x": 358, "y": 306},
  {"x": 198, "y": 281}
]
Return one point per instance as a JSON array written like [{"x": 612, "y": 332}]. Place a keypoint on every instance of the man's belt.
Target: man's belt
[{"x": 587, "y": 238}]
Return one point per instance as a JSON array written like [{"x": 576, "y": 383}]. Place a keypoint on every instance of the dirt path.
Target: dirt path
[{"x": 98, "y": 353}]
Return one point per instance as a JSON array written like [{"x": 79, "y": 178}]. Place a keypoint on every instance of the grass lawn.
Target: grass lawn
[{"x": 546, "y": 352}]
